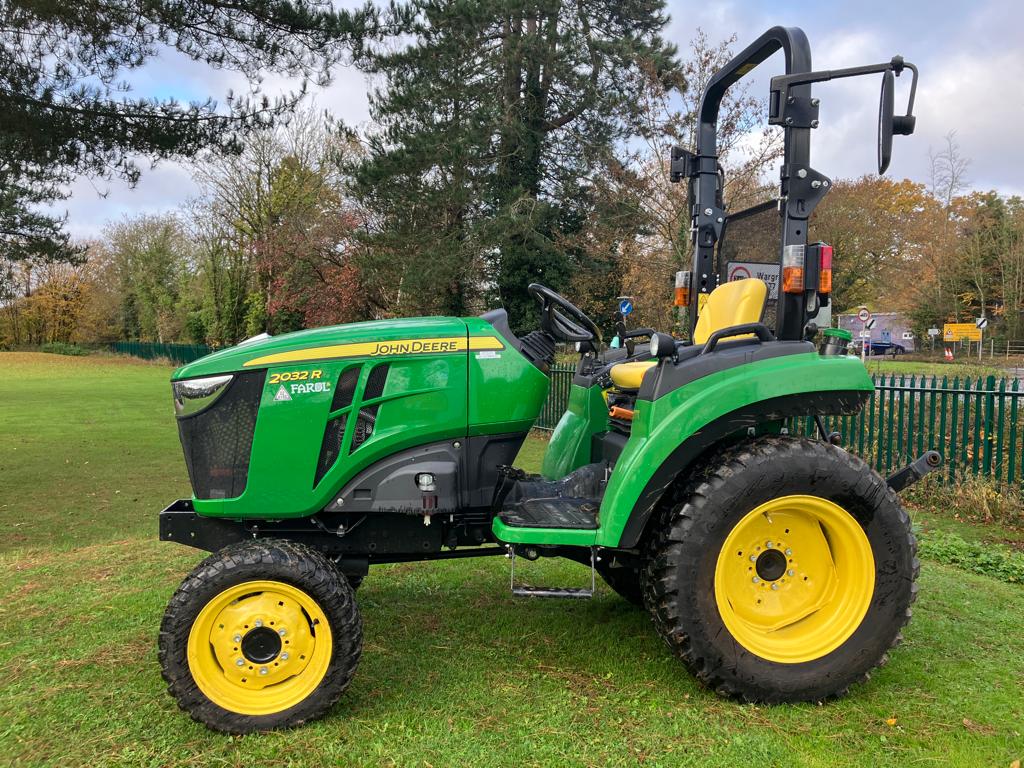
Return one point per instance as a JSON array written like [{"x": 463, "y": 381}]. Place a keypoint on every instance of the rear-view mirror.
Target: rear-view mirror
[{"x": 885, "y": 122}]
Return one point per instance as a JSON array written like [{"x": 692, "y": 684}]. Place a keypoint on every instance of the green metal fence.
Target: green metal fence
[
  {"x": 558, "y": 396},
  {"x": 150, "y": 350},
  {"x": 975, "y": 423}
]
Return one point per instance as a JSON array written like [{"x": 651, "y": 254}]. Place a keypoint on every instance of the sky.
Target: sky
[{"x": 970, "y": 54}]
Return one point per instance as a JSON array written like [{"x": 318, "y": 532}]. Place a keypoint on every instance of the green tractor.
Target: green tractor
[{"x": 777, "y": 568}]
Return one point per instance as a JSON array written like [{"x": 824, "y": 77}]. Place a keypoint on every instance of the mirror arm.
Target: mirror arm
[{"x": 782, "y": 103}]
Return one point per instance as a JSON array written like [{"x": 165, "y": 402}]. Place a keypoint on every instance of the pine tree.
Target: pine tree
[
  {"x": 65, "y": 110},
  {"x": 495, "y": 118}
]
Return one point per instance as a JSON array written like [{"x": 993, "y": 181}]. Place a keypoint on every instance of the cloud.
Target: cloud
[{"x": 970, "y": 58}]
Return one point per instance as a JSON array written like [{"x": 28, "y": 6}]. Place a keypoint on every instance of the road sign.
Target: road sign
[
  {"x": 870, "y": 323},
  {"x": 961, "y": 332},
  {"x": 769, "y": 273},
  {"x": 981, "y": 323},
  {"x": 863, "y": 315},
  {"x": 626, "y": 306},
  {"x": 865, "y": 334},
  {"x": 933, "y": 331}
]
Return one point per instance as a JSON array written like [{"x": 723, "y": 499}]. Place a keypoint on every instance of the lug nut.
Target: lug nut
[
  {"x": 775, "y": 586},
  {"x": 791, "y": 572},
  {"x": 240, "y": 663},
  {"x": 263, "y": 670},
  {"x": 281, "y": 632},
  {"x": 756, "y": 580},
  {"x": 258, "y": 622},
  {"x": 284, "y": 656},
  {"x": 769, "y": 544},
  {"x": 789, "y": 551},
  {"x": 753, "y": 558},
  {"x": 237, "y": 638}
]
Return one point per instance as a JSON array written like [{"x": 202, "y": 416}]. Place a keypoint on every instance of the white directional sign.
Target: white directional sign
[
  {"x": 865, "y": 334},
  {"x": 934, "y": 331},
  {"x": 981, "y": 322}
]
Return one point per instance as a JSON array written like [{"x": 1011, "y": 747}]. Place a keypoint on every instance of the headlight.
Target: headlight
[
  {"x": 654, "y": 344},
  {"x": 193, "y": 395}
]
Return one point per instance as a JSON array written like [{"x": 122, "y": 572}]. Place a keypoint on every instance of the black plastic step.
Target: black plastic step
[{"x": 563, "y": 513}]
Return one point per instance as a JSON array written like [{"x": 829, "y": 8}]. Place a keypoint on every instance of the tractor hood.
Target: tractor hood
[{"x": 417, "y": 335}]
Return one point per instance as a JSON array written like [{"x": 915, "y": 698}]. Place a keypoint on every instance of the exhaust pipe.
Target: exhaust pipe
[{"x": 910, "y": 474}]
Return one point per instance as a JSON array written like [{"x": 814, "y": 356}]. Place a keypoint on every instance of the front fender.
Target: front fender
[{"x": 670, "y": 432}]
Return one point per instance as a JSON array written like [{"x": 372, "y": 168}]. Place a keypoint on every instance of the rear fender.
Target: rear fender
[{"x": 672, "y": 431}]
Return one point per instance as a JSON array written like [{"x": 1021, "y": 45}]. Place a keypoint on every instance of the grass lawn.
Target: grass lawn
[
  {"x": 454, "y": 672},
  {"x": 973, "y": 370}
]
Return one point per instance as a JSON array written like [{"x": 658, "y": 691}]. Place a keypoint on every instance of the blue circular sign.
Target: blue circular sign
[{"x": 626, "y": 306}]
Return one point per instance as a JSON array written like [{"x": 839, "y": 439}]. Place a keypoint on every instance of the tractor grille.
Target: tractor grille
[
  {"x": 364, "y": 426},
  {"x": 363, "y": 420},
  {"x": 218, "y": 440},
  {"x": 330, "y": 448},
  {"x": 375, "y": 382},
  {"x": 345, "y": 389}
]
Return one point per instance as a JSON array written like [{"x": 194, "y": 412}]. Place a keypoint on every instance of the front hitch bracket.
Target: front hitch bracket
[{"x": 910, "y": 474}]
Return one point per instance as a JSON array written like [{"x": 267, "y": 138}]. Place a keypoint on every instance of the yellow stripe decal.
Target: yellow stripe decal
[{"x": 431, "y": 346}]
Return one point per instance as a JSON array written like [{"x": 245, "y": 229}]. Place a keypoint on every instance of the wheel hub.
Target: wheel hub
[
  {"x": 261, "y": 645},
  {"x": 770, "y": 564}
]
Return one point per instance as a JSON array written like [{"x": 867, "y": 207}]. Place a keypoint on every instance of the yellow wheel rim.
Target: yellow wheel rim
[
  {"x": 259, "y": 647},
  {"x": 794, "y": 579}
]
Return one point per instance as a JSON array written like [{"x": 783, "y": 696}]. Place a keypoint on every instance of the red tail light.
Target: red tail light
[{"x": 825, "y": 270}]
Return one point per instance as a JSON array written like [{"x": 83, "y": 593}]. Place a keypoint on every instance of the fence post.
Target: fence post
[
  {"x": 1011, "y": 471},
  {"x": 953, "y": 424},
  {"x": 990, "y": 404}
]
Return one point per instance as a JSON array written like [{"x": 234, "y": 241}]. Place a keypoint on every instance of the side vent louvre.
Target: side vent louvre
[
  {"x": 375, "y": 382},
  {"x": 364, "y": 426},
  {"x": 345, "y": 389},
  {"x": 331, "y": 446}
]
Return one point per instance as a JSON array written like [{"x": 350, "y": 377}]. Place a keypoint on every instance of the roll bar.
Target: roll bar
[{"x": 802, "y": 188}]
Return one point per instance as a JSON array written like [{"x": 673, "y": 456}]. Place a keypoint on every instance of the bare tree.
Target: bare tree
[{"x": 947, "y": 180}]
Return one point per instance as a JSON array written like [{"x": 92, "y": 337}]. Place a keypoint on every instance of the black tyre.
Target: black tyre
[
  {"x": 259, "y": 636},
  {"x": 624, "y": 579},
  {"x": 786, "y": 574}
]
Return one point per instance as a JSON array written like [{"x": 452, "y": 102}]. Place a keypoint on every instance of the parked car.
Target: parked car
[{"x": 886, "y": 348}]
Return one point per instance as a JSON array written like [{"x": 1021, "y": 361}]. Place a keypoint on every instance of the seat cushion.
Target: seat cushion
[
  {"x": 629, "y": 375},
  {"x": 735, "y": 303}
]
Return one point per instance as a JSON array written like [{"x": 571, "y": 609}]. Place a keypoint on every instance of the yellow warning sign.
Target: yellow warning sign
[{"x": 961, "y": 332}]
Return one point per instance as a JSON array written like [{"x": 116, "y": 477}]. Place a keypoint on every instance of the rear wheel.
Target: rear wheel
[
  {"x": 787, "y": 573},
  {"x": 260, "y": 636}
]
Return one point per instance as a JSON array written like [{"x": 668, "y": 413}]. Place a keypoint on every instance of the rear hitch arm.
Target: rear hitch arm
[{"x": 914, "y": 471}]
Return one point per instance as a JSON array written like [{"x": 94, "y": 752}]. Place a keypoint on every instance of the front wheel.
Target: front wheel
[
  {"x": 259, "y": 636},
  {"x": 787, "y": 575}
]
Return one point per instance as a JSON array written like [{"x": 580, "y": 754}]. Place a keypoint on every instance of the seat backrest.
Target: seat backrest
[{"x": 735, "y": 303}]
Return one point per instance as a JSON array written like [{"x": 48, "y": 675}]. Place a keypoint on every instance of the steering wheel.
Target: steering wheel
[{"x": 562, "y": 319}]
